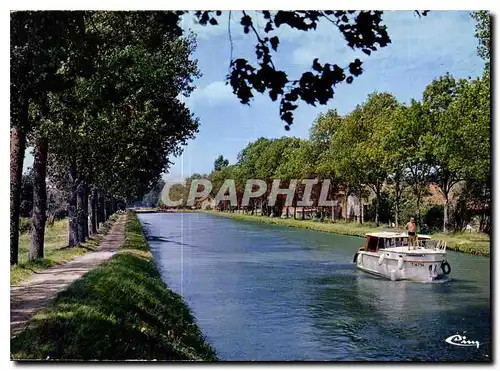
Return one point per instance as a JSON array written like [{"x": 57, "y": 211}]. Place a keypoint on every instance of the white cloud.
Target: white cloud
[{"x": 214, "y": 94}]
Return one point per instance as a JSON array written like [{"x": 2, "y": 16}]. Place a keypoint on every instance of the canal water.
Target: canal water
[{"x": 263, "y": 292}]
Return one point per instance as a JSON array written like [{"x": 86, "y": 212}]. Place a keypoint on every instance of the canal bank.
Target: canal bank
[
  {"x": 475, "y": 244},
  {"x": 118, "y": 311}
]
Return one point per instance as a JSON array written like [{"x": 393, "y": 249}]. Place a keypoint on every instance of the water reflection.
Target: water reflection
[{"x": 370, "y": 318}]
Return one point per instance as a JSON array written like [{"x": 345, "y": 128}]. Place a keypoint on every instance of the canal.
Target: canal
[{"x": 263, "y": 292}]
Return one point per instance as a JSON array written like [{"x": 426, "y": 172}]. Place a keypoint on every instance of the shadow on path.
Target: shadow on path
[{"x": 30, "y": 296}]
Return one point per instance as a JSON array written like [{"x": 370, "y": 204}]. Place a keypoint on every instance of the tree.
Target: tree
[
  {"x": 320, "y": 137},
  {"x": 396, "y": 159},
  {"x": 39, "y": 43},
  {"x": 113, "y": 123},
  {"x": 470, "y": 113},
  {"x": 220, "y": 162},
  {"x": 377, "y": 113},
  {"x": 410, "y": 143},
  {"x": 134, "y": 86},
  {"x": 39, "y": 214},
  {"x": 445, "y": 142},
  {"x": 347, "y": 162},
  {"x": 323, "y": 128},
  {"x": 483, "y": 35}
]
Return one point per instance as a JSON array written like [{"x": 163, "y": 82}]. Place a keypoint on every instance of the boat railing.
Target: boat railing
[
  {"x": 442, "y": 245},
  {"x": 438, "y": 245}
]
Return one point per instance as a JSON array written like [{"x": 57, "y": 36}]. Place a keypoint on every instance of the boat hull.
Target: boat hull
[{"x": 400, "y": 266}]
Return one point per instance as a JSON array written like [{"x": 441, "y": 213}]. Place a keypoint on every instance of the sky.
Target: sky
[{"x": 422, "y": 49}]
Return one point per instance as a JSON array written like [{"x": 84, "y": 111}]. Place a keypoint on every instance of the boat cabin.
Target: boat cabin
[{"x": 383, "y": 240}]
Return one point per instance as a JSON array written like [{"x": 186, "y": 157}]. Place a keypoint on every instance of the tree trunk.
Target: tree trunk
[
  {"x": 377, "y": 205},
  {"x": 418, "y": 212},
  {"x": 80, "y": 209},
  {"x": 38, "y": 216},
  {"x": 86, "y": 210},
  {"x": 100, "y": 208},
  {"x": 72, "y": 210},
  {"x": 396, "y": 208},
  {"x": 360, "y": 208},
  {"x": 107, "y": 209},
  {"x": 93, "y": 213},
  {"x": 17, "y": 147},
  {"x": 346, "y": 212},
  {"x": 445, "y": 212},
  {"x": 333, "y": 205},
  {"x": 396, "y": 215}
]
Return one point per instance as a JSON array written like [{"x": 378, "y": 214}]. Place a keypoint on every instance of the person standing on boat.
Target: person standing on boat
[{"x": 412, "y": 229}]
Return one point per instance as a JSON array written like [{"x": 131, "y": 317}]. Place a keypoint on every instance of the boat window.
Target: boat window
[
  {"x": 381, "y": 243},
  {"x": 403, "y": 241},
  {"x": 372, "y": 243}
]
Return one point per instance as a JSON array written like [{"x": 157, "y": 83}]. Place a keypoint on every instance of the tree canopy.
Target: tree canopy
[
  {"x": 96, "y": 94},
  {"x": 388, "y": 153}
]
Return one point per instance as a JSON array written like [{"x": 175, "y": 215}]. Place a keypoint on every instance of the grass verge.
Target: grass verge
[
  {"x": 120, "y": 310},
  {"x": 470, "y": 243},
  {"x": 56, "y": 249}
]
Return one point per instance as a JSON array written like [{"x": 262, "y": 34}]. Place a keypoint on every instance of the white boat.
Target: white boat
[{"x": 389, "y": 254}]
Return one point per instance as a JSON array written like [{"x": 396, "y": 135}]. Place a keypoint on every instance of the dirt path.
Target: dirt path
[{"x": 36, "y": 293}]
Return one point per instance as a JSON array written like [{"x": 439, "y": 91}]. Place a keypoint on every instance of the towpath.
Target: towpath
[{"x": 34, "y": 294}]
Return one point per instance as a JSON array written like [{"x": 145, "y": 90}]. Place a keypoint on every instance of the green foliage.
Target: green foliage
[
  {"x": 363, "y": 30},
  {"x": 120, "y": 310},
  {"x": 385, "y": 146},
  {"x": 125, "y": 118},
  {"x": 220, "y": 162},
  {"x": 385, "y": 208},
  {"x": 483, "y": 35},
  {"x": 323, "y": 129},
  {"x": 433, "y": 219}
]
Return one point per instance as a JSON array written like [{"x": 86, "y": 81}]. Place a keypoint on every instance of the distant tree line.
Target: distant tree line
[
  {"x": 394, "y": 151},
  {"x": 390, "y": 153}
]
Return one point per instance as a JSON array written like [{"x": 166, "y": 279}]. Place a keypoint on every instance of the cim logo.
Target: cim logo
[{"x": 461, "y": 341}]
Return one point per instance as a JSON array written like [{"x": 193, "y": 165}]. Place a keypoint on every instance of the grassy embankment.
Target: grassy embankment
[
  {"x": 56, "y": 250},
  {"x": 471, "y": 243},
  {"x": 120, "y": 310}
]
